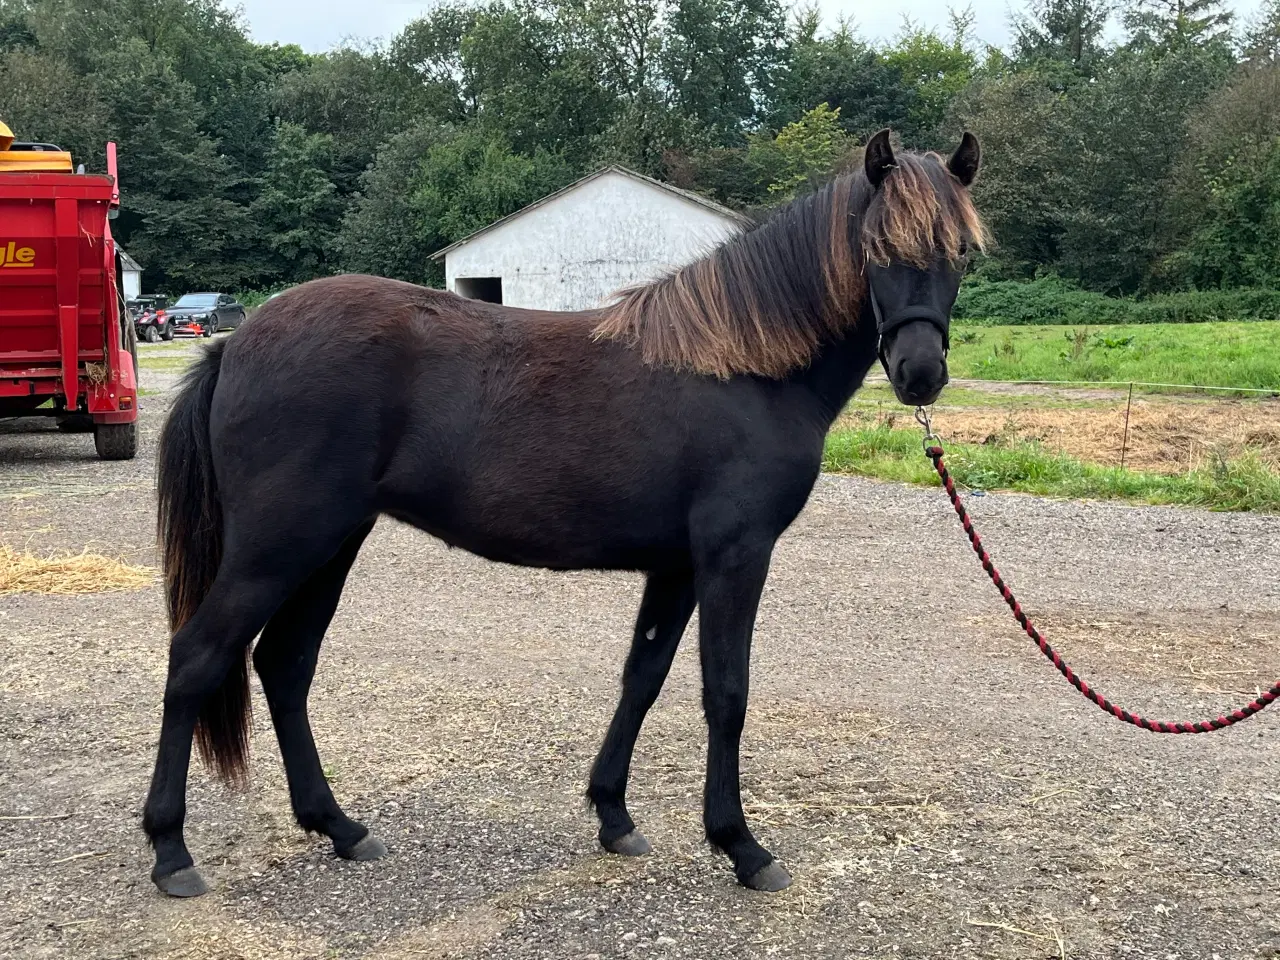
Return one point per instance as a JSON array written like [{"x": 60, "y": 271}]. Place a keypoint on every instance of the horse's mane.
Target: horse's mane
[{"x": 763, "y": 302}]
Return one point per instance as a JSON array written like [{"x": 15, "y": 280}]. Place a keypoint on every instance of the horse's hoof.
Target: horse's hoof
[
  {"x": 369, "y": 847},
  {"x": 632, "y": 844},
  {"x": 186, "y": 882},
  {"x": 770, "y": 878}
]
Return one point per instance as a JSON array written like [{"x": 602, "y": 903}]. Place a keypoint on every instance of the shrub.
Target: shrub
[
  {"x": 1057, "y": 301},
  {"x": 256, "y": 298}
]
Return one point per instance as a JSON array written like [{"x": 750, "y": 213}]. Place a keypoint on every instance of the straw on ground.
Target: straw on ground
[{"x": 22, "y": 572}]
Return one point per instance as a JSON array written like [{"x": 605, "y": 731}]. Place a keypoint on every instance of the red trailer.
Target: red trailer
[{"x": 67, "y": 347}]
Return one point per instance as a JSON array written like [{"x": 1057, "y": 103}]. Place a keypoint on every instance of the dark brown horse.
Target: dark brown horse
[{"x": 678, "y": 432}]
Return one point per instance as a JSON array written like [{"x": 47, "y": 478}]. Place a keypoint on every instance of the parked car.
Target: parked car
[
  {"x": 150, "y": 319},
  {"x": 204, "y": 314}
]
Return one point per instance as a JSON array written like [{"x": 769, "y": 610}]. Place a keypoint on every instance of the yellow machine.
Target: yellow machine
[{"x": 30, "y": 157}]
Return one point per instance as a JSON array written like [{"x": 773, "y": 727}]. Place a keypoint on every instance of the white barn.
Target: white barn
[
  {"x": 573, "y": 249},
  {"x": 131, "y": 276}
]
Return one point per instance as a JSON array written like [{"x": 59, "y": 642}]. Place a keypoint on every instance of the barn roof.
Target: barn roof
[
  {"x": 127, "y": 262},
  {"x": 688, "y": 195}
]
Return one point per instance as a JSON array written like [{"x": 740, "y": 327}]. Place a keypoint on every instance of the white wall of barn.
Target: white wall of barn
[{"x": 580, "y": 248}]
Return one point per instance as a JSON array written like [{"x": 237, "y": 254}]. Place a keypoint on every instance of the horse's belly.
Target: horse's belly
[{"x": 555, "y": 530}]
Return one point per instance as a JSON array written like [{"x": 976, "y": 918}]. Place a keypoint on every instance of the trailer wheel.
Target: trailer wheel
[
  {"x": 131, "y": 344},
  {"x": 116, "y": 441}
]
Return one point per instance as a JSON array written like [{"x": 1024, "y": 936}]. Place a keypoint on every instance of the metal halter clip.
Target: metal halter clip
[{"x": 922, "y": 418}]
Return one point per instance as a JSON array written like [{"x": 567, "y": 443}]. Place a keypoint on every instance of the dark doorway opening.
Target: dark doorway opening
[{"x": 488, "y": 289}]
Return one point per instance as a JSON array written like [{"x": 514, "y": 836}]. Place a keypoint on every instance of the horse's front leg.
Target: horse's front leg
[
  {"x": 664, "y": 613},
  {"x": 729, "y": 581}
]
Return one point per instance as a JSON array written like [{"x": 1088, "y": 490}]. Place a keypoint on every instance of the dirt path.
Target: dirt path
[{"x": 935, "y": 789}]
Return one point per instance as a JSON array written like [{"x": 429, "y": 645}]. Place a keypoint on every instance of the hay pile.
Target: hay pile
[{"x": 72, "y": 573}]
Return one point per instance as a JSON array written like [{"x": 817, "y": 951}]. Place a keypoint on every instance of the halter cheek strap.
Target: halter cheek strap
[{"x": 908, "y": 314}]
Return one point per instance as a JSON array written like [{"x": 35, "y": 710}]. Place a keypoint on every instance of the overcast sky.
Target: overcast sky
[{"x": 320, "y": 24}]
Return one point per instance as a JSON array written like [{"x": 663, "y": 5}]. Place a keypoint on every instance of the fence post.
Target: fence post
[{"x": 1124, "y": 444}]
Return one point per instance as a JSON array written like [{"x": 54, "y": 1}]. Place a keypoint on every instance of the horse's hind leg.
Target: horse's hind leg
[
  {"x": 201, "y": 655},
  {"x": 664, "y": 613},
  {"x": 285, "y": 659}
]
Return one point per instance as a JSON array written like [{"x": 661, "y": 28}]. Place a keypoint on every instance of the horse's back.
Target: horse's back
[{"x": 511, "y": 433}]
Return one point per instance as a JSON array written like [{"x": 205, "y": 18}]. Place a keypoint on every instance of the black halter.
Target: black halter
[{"x": 906, "y": 315}]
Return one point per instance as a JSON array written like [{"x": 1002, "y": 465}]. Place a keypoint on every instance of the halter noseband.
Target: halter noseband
[{"x": 906, "y": 315}]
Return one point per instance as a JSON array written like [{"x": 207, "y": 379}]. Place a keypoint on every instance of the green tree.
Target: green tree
[
  {"x": 1132, "y": 123},
  {"x": 721, "y": 60},
  {"x": 537, "y": 80},
  {"x": 731, "y": 175},
  {"x": 429, "y": 52},
  {"x": 639, "y": 124},
  {"x": 1261, "y": 38},
  {"x": 936, "y": 69},
  {"x": 177, "y": 218},
  {"x": 1176, "y": 24},
  {"x": 1062, "y": 38},
  {"x": 1224, "y": 215},
  {"x": 839, "y": 69},
  {"x": 185, "y": 94},
  {"x": 42, "y": 98},
  {"x": 803, "y": 154},
  {"x": 298, "y": 207},
  {"x": 380, "y": 232},
  {"x": 472, "y": 179},
  {"x": 355, "y": 96},
  {"x": 15, "y": 31},
  {"x": 1236, "y": 244},
  {"x": 1030, "y": 149}
]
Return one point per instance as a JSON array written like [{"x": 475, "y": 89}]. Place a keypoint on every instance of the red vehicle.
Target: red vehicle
[{"x": 68, "y": 349}]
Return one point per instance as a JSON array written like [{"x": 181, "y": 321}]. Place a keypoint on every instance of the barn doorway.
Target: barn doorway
[{"x": 488, "y": 289}]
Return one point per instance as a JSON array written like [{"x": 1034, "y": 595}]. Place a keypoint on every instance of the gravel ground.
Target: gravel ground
[{"x": 934, "y": 787}]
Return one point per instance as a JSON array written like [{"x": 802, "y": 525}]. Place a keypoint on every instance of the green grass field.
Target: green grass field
[
  {"x": 1217, "y": 354},
  {"x": 167, "y": 363},
  {"x": 1210, "y": 354},
  {"x": 879, "y": 395},
  {"x": 891, "y": 454}
]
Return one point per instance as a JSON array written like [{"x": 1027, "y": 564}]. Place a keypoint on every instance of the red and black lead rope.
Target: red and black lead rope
[{"x": 934, "y": 453}]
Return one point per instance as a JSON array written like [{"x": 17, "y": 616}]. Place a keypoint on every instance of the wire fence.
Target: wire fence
[
  {"x": 1124, "y": 385},
  {"x": 1148, "y": 427},
  {"x": 1118, "y": 385}
]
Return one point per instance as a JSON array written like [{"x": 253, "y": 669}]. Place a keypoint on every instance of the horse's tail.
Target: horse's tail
[{"x": 189, "y": 526}]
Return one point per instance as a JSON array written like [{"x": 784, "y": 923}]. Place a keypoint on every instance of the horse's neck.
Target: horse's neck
[{"x": 840, "y": 367}]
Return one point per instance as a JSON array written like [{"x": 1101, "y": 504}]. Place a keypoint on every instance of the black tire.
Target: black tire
[
  {"x": 215, "y": 324},
  {"x": 152, "y": 335},
  {"x": 208, "y": 331},
  {"x": 116, "y": 441},
  {"x": 131, "y": 344},
  {"x": 168, "y": 332},
  {"x": 76, "y": 423}
]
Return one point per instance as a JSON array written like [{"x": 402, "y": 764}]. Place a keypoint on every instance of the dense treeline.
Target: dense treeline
[{"x": 1143, "y": 166}]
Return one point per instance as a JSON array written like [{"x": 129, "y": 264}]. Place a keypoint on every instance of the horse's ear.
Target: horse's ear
[
  {"x": 879, "y": 158},
  {"x": 965, "y": 161}
]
